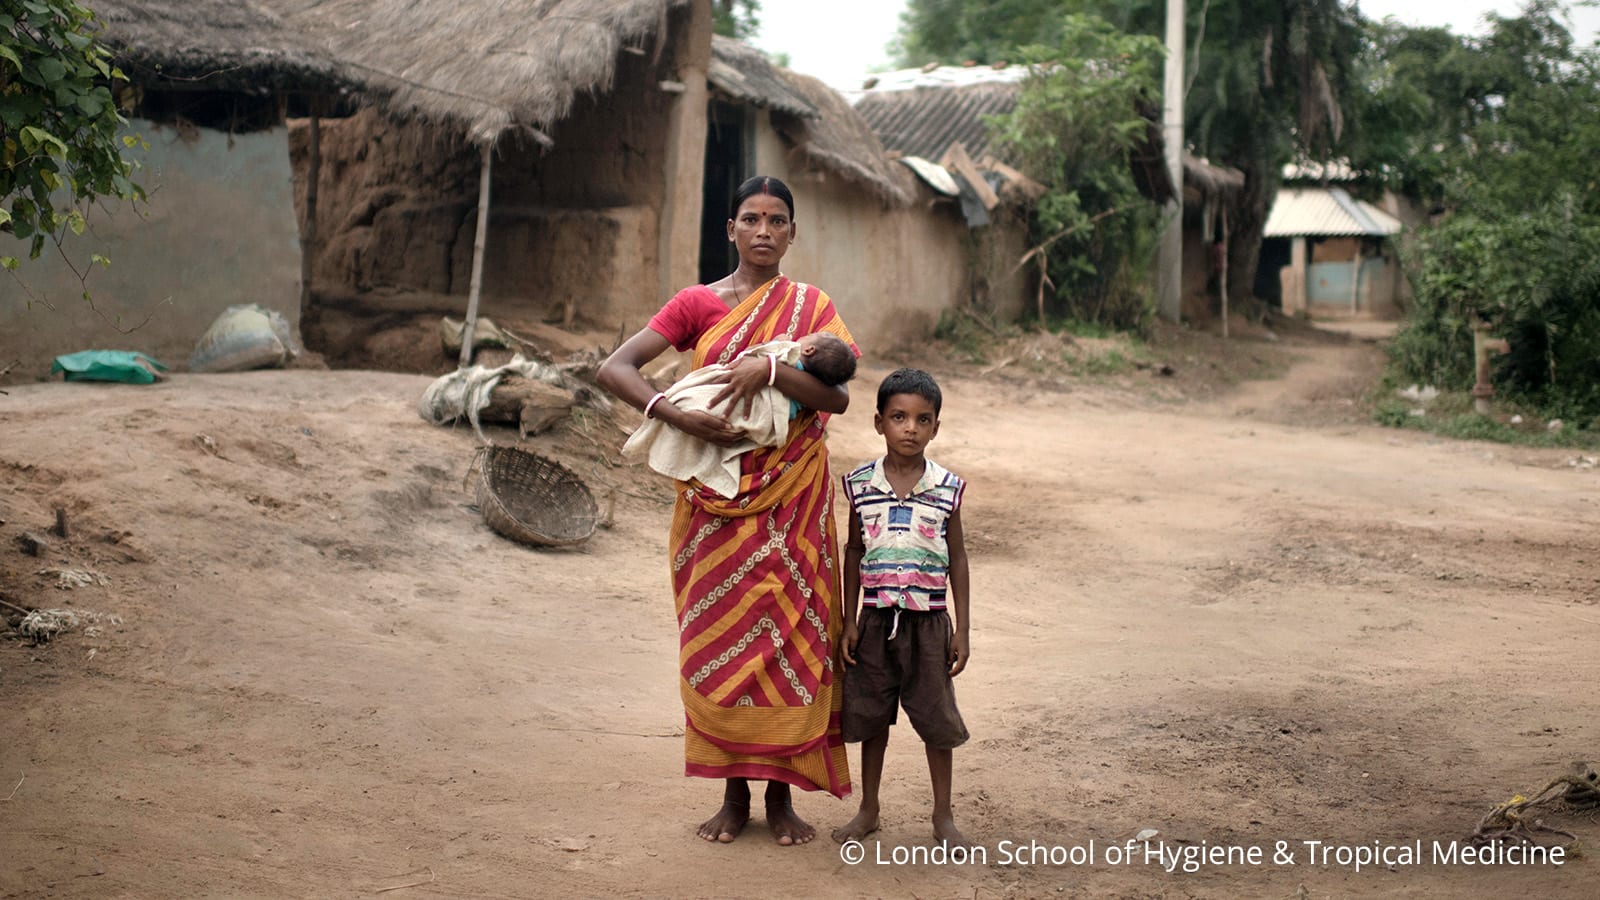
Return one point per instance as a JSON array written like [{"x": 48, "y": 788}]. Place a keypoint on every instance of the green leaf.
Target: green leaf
[
  {"x": 99, "y": 260},
  {"x": 33, "y": 138},
  {"x": 9, "y": 262},
  {"x": 76, "y": 222},
  {"x": 8, "y": 53},
  {"x": 51, "y": 70}
]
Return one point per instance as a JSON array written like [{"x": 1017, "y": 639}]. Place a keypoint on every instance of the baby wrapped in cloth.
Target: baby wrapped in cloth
[{"x": 677, "y": 455}]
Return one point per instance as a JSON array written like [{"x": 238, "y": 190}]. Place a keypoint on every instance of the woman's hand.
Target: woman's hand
[
  {"x": 748, "y": 378},
  {"x": 702, "y": 425}
]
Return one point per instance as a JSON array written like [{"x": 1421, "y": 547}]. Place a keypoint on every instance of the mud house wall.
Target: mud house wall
[
  {"x": 577, "y": 222},
  {"x": 891, "y": 272},
  {"x": 391, "y": 200},
  {"x": 218, "y": 229},
  {"x": 580, "y": 223}
]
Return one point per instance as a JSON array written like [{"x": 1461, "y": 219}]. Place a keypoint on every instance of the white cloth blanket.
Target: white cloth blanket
[
  {"x": 681, "y": 456},
  {"x": 465, "y": 392}
]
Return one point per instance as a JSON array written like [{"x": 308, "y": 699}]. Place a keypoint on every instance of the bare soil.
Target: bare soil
[{"x": 1228, "y": 610}]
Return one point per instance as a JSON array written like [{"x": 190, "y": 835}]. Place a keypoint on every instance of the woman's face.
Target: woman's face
[{"x": 762, "y": 230}]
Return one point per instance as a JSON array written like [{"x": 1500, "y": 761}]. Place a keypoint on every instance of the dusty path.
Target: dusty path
[{"x": 331, "y": 679}]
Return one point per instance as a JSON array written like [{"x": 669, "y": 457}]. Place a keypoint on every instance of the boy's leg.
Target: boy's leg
[
  {"x": 930, "y": 702},
  {"x": 787, "y": 826},
  {"x": 941, "y": 765},
  {"x": 871, "y": 703},
  {"x": 730, "y": 819},
  {"x": 866, "y": 820}
]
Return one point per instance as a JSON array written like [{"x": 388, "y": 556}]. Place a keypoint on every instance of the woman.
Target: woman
[{"x": 755, "y": 578}]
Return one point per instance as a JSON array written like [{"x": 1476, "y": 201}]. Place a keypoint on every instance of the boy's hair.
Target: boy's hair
[
  {"x": 910, "y": 381},
  {"x": 831, "y": 360}
]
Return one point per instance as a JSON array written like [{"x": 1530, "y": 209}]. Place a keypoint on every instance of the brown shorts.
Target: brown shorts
[{"x": 913, "y": 671}]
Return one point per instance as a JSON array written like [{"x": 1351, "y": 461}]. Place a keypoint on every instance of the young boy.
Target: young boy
[
  {"x": 907, "y": 564},
  {"x": 677, "y": 455}
]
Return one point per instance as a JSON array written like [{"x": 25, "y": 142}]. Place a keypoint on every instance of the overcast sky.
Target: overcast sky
[{"x": 840, "y": 41}]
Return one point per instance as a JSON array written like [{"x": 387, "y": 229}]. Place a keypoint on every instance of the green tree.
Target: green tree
[
  {"x": 736, "y": 18},
  {"x": 1498, "y": 135},
  {"x": 1075, "y": 126},
  {"x": 1266, "y": 78},
  {"x": 59, "y": 126}
]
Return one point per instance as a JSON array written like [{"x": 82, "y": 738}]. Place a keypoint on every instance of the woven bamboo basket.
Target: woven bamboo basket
[{"x": 534, "y": 500}]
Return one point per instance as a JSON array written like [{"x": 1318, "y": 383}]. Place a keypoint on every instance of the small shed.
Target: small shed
[{"x": 1332, "y": 252}]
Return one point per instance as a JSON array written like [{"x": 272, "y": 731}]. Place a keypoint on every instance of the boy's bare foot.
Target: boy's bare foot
[
  {"x": 787, "y": 826},
  {"x": 865, "y": 823},
  {"x": 945, "y": 832},
  {"x": 727, "y": 823}
]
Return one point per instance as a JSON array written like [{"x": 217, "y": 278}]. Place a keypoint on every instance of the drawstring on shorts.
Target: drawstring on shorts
[{"x": 894, "y": 627}]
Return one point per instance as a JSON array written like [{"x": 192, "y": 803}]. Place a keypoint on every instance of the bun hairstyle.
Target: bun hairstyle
[{"x": 761, "y": 184}]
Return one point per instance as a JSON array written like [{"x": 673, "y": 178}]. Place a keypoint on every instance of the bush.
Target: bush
[{"x": 1535, "y": 278}]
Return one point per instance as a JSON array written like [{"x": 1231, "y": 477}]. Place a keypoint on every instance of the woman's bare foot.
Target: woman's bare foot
[
  {"x": 945, "y": 832},
  {"x": 727, "y": 823},
  {"x": 787, "y": 826},
  {"x": 865, "y": 823}
]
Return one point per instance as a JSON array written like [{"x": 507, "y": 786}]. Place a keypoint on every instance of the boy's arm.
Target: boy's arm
[
  {"x": 854, "y": 549},
  {"x": 960, "y": 645}
]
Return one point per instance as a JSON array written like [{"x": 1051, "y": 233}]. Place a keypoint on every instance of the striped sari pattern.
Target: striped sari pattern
[{"x": 756, "y": 581}]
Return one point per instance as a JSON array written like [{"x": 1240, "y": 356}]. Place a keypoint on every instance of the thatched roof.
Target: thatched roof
[
  {"x": 838, "y": 140},
  {"x": 744, "y": 73},
  {"x": 211, "y": 45},
  {"x": 489, "y": 66}
]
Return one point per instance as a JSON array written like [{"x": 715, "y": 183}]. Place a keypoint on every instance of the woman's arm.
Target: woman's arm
[
  {"x": 750, "y": 377},
  {"x": 620, "y": 375}
]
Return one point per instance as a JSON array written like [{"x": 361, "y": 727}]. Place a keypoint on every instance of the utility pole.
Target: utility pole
[{"x": 1169, "y": 277}]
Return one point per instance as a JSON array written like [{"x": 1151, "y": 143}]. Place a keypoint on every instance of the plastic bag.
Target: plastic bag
[
  {"x": 244, "y": 337},
  {"x": 126, "y": 366}
]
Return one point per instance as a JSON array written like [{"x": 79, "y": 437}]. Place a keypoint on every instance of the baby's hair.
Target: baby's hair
[
  {"x": 761, "y": 184},
  {"x": 831, "y": 361},
  {"x": 910, "y": 381}
]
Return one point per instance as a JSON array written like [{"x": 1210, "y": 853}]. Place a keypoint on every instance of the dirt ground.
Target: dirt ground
[{"x": 1233, "y": 613}]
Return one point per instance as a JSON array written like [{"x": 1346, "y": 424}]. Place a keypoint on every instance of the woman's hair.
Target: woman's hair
[
  {"x": 761, "y": 184},
  {"x": 831, "y": 360},
  {"x": 910, "y": 381}
]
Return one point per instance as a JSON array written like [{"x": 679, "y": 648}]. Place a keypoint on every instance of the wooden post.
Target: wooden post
[
  {"x": 478, "y": 240},
  {"x": 308, "y": 231},
  {"x": 1223, "y": 275}
]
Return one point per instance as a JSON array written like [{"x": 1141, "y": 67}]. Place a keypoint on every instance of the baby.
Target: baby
[{"x": 677, "y": 455}]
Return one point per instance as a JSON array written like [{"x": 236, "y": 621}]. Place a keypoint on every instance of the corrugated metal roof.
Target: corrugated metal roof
[
  {"x": 1326, "y": 212},
  {"x": 925, "y": 120},
  {"x": 939, "y": 76},
  {"x": 744, "y": 73}
]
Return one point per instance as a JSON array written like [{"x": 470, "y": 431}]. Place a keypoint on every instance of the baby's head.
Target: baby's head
[{"x": 827, "y": 357}]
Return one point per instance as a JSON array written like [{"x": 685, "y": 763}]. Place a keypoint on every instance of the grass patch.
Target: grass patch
[
  {"x": 1112, "y": 361},
  {"x": 1451, "y": 415}
]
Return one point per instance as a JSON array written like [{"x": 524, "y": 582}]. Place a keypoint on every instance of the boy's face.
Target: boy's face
[{"x": 907, "y": 424}]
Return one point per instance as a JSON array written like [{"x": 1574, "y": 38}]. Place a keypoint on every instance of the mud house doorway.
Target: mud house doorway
[{"x": 727, "y": 152}]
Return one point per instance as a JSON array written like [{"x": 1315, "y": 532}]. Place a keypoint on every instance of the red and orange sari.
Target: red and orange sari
[{"x": 756, "y": 584}]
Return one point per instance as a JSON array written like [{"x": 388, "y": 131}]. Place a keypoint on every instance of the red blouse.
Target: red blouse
[{"x": 688, "y": 315}]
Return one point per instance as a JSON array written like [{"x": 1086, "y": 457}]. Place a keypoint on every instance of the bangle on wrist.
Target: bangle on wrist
[
  {"x": 650, "y": 407},
  {"x": 772, "y": 372}
]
